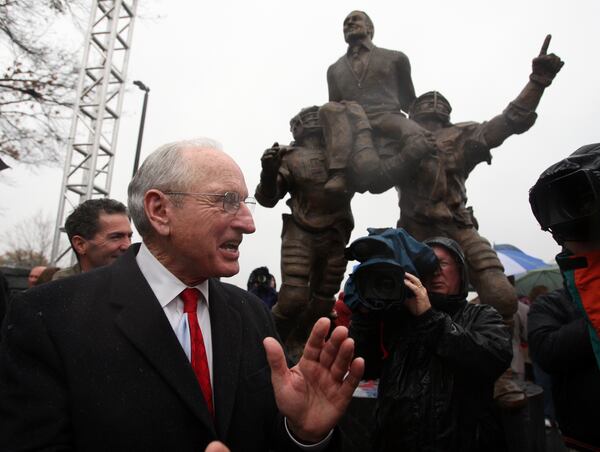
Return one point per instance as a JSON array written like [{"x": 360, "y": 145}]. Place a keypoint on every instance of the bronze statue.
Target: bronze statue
[
  {"x": 314, "y": 236},
  {"x": 379, "y": 81},
  {"x": 433, "y": 199}
]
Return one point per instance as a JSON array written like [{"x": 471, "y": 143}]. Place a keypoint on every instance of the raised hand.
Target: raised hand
[
  {"x": 271, "y": 159},
  {"x": 545, "y": 66},
  {"x": 314, "y": 394}
]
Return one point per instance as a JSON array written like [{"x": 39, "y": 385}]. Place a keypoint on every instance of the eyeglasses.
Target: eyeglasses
[{"x": 231, "y": 200}]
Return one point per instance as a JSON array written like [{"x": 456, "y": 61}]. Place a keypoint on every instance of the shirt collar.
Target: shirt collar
[
  {"x": 367, "y": 45},
  {"x": 164, "y": 284}
]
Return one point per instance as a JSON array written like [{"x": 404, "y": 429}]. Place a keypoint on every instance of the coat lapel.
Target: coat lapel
[
  {"x": 143, "y": 322},
  {"x": 226, "y": 325}
]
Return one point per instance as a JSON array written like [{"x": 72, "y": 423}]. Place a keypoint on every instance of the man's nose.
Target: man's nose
[
  {"x": 125, "y": 243},
  {"x": 244, "y": 221}
]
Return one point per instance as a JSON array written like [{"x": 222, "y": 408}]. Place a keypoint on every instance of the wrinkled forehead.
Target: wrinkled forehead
[
  {"x": 214, "y": 170},
  {"x": 111, "y": 222}
]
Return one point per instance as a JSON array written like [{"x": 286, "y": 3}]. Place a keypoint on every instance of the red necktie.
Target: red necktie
[{"x": 199, "y": 361}]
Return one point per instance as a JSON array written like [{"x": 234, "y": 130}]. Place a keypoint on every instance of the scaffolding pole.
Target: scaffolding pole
[{"x": 92, "y": 142}]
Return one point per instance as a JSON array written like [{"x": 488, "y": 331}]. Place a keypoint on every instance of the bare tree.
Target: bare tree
[
  {"x": 29, "y": 242},
  {"x": 22, "y": 259},
  {"x": 38, "y": 74}
]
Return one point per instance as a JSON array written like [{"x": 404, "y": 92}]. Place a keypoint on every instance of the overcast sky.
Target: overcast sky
[{"x": 238, "y": 71}]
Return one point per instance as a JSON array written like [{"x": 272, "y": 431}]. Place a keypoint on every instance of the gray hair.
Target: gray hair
[{"x": 163, "y": 170}]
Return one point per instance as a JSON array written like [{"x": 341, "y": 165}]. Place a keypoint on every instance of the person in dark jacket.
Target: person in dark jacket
[
  {"x": 560, "y": 343},
  {"x": 564, "y": 325},
  {"x": 262, "y": 284},
  {"x": 437, "y": 357}
]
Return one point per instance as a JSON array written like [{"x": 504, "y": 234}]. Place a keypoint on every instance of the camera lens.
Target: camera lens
[
  {"x": 381, "y": 284},
  {"x": 570, "y": 197},
  {"x": 384, "y": 286}
]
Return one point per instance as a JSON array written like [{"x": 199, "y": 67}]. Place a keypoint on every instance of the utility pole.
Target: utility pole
[{"x": 138, "y": 148}]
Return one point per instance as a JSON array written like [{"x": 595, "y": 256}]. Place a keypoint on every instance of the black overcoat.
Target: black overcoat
[{"x": 91, "y": 363}]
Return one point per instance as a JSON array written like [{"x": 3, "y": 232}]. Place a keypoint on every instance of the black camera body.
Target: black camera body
[
  {"x": 566, "y": 198},
  {"x": 377, "y": 283},
  {"x": 260, "y": 278}
]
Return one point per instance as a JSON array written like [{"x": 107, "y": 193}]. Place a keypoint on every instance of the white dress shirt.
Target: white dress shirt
[{"x": 166, "y": 288}]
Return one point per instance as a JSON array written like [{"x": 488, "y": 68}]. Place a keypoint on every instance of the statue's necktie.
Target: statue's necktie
[
  {"x": 357, "y": 65},
  {"x": 198, "y": 352}
]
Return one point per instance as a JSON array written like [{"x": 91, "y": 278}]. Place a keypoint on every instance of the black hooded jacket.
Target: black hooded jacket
[
  {"x": 436, "y": 372},
  {"x": 560, "y": 343}
]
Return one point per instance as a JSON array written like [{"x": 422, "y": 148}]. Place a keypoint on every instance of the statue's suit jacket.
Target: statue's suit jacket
[
  {"x": 92, "y": 363},
  {"x": 386, "y": 84}
]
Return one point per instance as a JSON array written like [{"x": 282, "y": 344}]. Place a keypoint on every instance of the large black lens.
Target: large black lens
[
  {"x": 565, "y": 199},
  {"x": 571, "y": 197},
  {"x": 381, "y": 284},
  {"x": 384, "y": 286}
]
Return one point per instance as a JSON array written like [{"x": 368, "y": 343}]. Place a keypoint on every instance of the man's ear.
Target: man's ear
[
  {"x": 157, "y": 206},
  {"x": 79, "y": 244}
]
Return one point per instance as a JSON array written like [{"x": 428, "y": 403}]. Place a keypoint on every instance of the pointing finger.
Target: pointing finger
[{"x": 545, "y": 45}]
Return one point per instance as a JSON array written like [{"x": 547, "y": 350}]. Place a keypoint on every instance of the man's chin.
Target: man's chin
[
  {"x": 354, "y": 36},
  {"x": 227, "y": 271},
  {"x": 439, "y": 289}
]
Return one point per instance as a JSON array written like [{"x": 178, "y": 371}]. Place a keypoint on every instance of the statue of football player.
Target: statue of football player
[
  {"x": 433, "y": 203},
  {"x": 314, "y": 235}
]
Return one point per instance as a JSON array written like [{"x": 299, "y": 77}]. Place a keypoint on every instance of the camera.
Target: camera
[
  {"x": 260, "y": 278},
  {"x": 566, "y": 198},
  {"x": 377, "y": 283}
]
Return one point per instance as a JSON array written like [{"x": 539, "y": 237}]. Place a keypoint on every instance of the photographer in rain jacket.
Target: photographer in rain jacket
[
  {"x": 564, "y": 325},
  {"x": 437, "y": 358}
]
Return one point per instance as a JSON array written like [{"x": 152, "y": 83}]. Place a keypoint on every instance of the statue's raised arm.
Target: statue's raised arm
[{"x": 520, "y": 114}]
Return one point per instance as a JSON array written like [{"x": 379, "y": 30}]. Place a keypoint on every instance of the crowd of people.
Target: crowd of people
[
  {"x": 114, "y": 347},
  {"x": 142, "y": 347}
]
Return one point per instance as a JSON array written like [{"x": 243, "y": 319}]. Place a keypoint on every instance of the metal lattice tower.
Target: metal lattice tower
[{"x": 96, "y": 112}]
